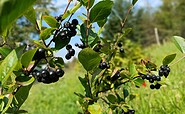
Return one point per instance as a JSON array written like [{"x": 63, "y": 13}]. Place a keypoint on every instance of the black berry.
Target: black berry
[
  {"x": 59, "y": 72},
  {"x": 68, "y": 47},
  {"x": 122, "y": 50},
  {"x": 68, "y": 56},
  {"x": 157, "y": 86},
  {"x": 71, "y": 52},
  {"x": 152, "y": 86},
  {"x": 119, "y": 44},
  {"x": 75, "y": 22},
  {"x": 44, "y": 73},
  {"x": 40, "y": 54}
]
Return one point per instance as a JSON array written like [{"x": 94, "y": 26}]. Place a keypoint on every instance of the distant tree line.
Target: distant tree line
[{"x": 168, "y": 18}]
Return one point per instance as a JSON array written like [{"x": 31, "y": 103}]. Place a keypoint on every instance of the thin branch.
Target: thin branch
[
  {"x": 67, "y": 6},
  {"x": 128, "y": 12},
  {"x": 87, "y": 23}
]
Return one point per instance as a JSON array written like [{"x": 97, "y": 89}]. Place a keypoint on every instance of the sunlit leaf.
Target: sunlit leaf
[
  {"x": 180, "y": 43},
  {"x": 7, "y": 66},
  {"x": 100, "y": 11},
  {"x": 89, "y": 58}
]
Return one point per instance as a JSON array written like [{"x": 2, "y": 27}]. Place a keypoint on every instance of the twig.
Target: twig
[
  {"x": 67, "y": 6},
  {"x": 128, "y": 12},
  {"x": 87, "y": 23},
  {"x": 177, "y": 61}
]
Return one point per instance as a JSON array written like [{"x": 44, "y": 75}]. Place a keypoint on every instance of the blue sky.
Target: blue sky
[{"x": 61, "y": 4}]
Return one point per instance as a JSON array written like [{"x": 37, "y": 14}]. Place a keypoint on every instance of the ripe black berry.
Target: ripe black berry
[
  {"x": 44, "y": 73},
  {"x": 59, "y": 72},
  {"x": 152, "y": 86},
  {"x": 166, "y": 73},
  {"x": 38, "y": 76},
  {"x": 131, "y": 111},
  {"x": 154, "y": 77},
  {"x": 97, "y": 48},
  {"x": 160, "y": 73},
  {"x": 68, "y": 47},
  {"x": 103, "y": 65},
  {"x": 158, "y": 78},
  {"x": 68, "y": 56},
  {"x": 40, "y": 54},
  {"x": 72, "y": 33},
  {"x": 157, "y": 86},
  {"x": 71, "y": 52},
  {"x": 122, "y": 50},
  {"x": 119, "y": 44},
  {"x": 108, "y": 66},
  {"x": 148, "y": 76},
  {"x": 64, "y": 34},
  {"x": 151, "y": 80},
  {"x": 115, "y": 77},
  {"x": 75, "y": 22},
  {"x": 53, "y": 76}
]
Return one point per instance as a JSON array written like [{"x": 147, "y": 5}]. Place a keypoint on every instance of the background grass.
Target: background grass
[{"x": 59, "y": 98}]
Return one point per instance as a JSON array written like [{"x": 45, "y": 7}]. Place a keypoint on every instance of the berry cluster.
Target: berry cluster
[
  {"x": 71, "y": 52},
  {"x": 69, "y": 29},
  {"x": 119, "y": 44},
  {"x": 82, "y": 46},
  {"x": 104, "y": 65},
  {"x": 164, "y": 71},
  {"x": 48, "y": 76}
]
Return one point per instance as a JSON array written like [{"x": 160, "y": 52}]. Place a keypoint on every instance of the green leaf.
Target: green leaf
[
  {"x": 71, "y": 11},
  {"x": 100, "y": 11},
  {"x": 39, "y": 44},
  {"x": 138, "y": 81},
  {"x": 60, "y": 43},
  {"x": 86, "y": 86},
  {"x": 180, "y": 43},
  {"x": 51, "y": 21},
  {"x": 112, "y": 98},
  {"x": 39, "y": 22},
  {"x": 134, "y": 2},
  {"x": 125, "y": 93},
  {"x": 168, "y": 59},
  {"x": 27, "y": 57},
  {"x": 21, "y": 95},
  {"x": 95, "y": 109},
  {"x": 7, "y": 66},
  {"x": 101, "y": 23},
  {"x": 30, "y": 14},
  {"x": 10, "y": 10},
  {"x": 24, "y": 80},
  {"x": 89, "y": 58},
  {"x": 132, "y": 69},
  {"x": 10, "y": 98},
  {"x": 57, "y": 61},
  {"x": 46, "y": 33},
  {"x": 132, "y": 97},
  {"x": 5, "y": 51}
]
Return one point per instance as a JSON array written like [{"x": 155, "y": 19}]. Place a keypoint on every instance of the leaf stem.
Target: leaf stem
[{"x": 177, "y": 61}]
